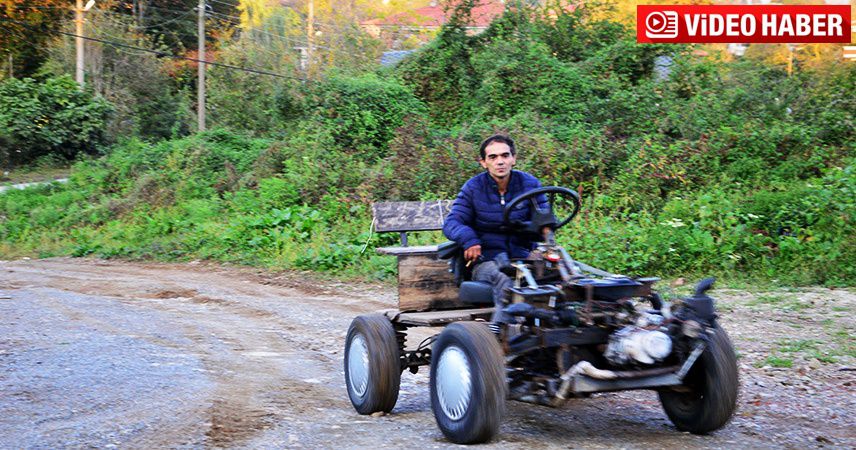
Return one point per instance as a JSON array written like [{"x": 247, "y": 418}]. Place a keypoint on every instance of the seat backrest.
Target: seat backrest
[{"x": 410, "y": 216}]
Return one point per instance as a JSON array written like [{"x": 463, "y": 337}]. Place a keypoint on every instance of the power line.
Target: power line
[
  {"x": 116, "y": 18},
  {"x": 182, "y": 14},
  {"x": 149, "y": 105},
  {"x": 169, "y": 55},
  {"x": 224, "y": 3},
  {"x": 174, "y": 11},
  {"x": 160, "y": 24},
  {"x": 102, "y": 35},
  {"x": 259, "y": 30},
  {"x": 291, "y": 40},
  {"x": 298, "y": 40}
]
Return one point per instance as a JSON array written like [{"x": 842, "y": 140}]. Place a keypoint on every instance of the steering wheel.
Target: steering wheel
[{"x": 541, "y": 217}]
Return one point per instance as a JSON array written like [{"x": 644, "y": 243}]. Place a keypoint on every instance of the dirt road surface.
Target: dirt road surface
[{"x": 138, "y": 355}]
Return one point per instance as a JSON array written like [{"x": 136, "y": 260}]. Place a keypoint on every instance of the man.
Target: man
[{"x": 476, "y": 216}]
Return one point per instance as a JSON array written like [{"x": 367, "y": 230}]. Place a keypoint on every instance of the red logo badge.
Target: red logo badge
[{"x": 743, "y": 24}]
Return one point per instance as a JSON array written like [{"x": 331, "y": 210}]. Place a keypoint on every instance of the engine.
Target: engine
[{"x": 641, "y": 342}]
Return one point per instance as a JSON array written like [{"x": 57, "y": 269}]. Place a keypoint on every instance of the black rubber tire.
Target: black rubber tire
[
  {"x": 715, "y": 384},
  {"x": 384, "y": 367},
  {"x": 489, "y": 388}
]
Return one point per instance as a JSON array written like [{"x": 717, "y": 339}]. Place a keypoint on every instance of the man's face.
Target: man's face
[{"x": 498, "y": 160}]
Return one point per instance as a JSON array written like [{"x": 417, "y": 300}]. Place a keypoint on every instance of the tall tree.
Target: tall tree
[{"x": 25, "y": 27}]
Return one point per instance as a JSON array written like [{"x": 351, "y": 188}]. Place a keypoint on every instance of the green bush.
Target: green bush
[
  {"x": 442, "y": 74},
  {"x": 53, "y": 116},
  {"x": 361, "y": 113},
  {"x": 522, "y": 75},
  {"x": 246, "y": 101}
]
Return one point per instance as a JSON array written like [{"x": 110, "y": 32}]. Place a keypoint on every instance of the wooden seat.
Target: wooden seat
[{"x": 424, "y": 281}]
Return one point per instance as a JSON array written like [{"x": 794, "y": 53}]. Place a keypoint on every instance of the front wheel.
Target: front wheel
[
  {"x": 468, "y": 387},
  {"x": 712, "y": 384},
  {"x": 372, "y": 364}
]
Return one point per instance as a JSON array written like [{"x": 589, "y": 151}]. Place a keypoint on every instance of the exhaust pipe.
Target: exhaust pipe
[{"x": 586, "y": 368}]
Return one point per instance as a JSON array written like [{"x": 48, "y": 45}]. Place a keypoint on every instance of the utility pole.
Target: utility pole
[
  {"x": 791, "y": 48},
  {"x": 310, "y": 31},
  {"x": 11, "y": 66},
  {"x": 78, "y": 22},
  {"x": 200, "y": 107}
]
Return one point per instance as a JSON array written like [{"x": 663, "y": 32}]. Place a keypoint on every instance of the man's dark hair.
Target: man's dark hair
[{"x": 497, "y": 138}]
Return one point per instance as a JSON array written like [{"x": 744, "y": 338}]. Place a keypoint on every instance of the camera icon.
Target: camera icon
[{"x": 661, "y": 25}]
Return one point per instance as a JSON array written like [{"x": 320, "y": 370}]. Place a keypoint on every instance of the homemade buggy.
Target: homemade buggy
[{"x": 576, "y": 330}]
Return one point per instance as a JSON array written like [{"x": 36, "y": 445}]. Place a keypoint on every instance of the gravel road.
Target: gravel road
[{"x": 139, "y": 355}]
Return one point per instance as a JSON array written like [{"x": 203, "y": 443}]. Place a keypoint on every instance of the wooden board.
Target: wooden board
[
  {"x": 415, "y": 250},
  {"x": 424, "y": 283},
  {"x": 410, "y": 216},
  {"x": 437, "y": 318}
]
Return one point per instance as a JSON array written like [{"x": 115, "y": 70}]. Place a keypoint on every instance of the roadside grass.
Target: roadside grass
[
  {"x": 797, "y": 346},
  {"x": 786, "y": 302},
  {"x": 841, "y": 343},
  {"x": 776, "y": 361},
  {"x": 824, "y": 357},
  {"x": 838, "y": 344},
  {"x": 787, "y": 351},
  {"x": 247, "y": 228},
  {"x": 295, "y": 237},
  {"x": 833, "y": 341},
  {"x": 845, "y": 343}
]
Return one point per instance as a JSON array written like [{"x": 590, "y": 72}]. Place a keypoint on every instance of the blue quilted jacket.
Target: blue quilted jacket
[{"x": 476, "y": 215}]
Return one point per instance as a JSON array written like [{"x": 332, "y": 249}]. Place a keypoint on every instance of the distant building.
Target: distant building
[
  {"x": 410, "y": 29},
  {"x": 737, "y": 49},
  {"x": 393, "y": 57},
  {"x": 663, "y": 67}
]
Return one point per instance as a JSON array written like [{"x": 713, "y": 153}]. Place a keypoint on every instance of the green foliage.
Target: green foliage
[
  {"x": 144, "y": 89},
  {"x": 362, "y": 113},
  {"x": 247, "y": 101},
  {"x": 421, "y": 166},
  {"x": 196, "y": 197},
  {"x": 517, "y": 74},
  {"x": 577, "y": 36},
  {"x": 441, "y": 74},
  {"x": 50, "y": 117}
]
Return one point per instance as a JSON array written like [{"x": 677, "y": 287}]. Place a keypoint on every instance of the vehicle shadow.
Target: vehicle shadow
[{"x": 610, "y": 420}]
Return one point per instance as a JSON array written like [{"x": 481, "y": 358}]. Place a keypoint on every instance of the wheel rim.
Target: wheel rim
[
  {"x": 358, "y": 365},
  {"x": 454, "y": 382}
]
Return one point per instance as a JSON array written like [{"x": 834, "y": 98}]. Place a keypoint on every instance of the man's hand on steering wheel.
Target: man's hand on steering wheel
[{"x": 541, "y": 218}]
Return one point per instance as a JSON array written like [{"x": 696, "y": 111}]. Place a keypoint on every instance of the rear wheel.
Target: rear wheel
[
  {"x": 372, "y": 367},
  {"x": 713, "y": 384},
  {"x": 468, "y": 386}
]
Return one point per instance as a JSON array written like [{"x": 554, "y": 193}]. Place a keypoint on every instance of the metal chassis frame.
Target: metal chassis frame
[{"x": 581, "y": 384}]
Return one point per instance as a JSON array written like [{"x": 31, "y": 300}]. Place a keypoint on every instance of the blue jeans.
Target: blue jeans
[{"x": 489, "y": 271}]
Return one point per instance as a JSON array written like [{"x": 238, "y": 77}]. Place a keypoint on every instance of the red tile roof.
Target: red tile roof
[{"x": 434, "y": 16}]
